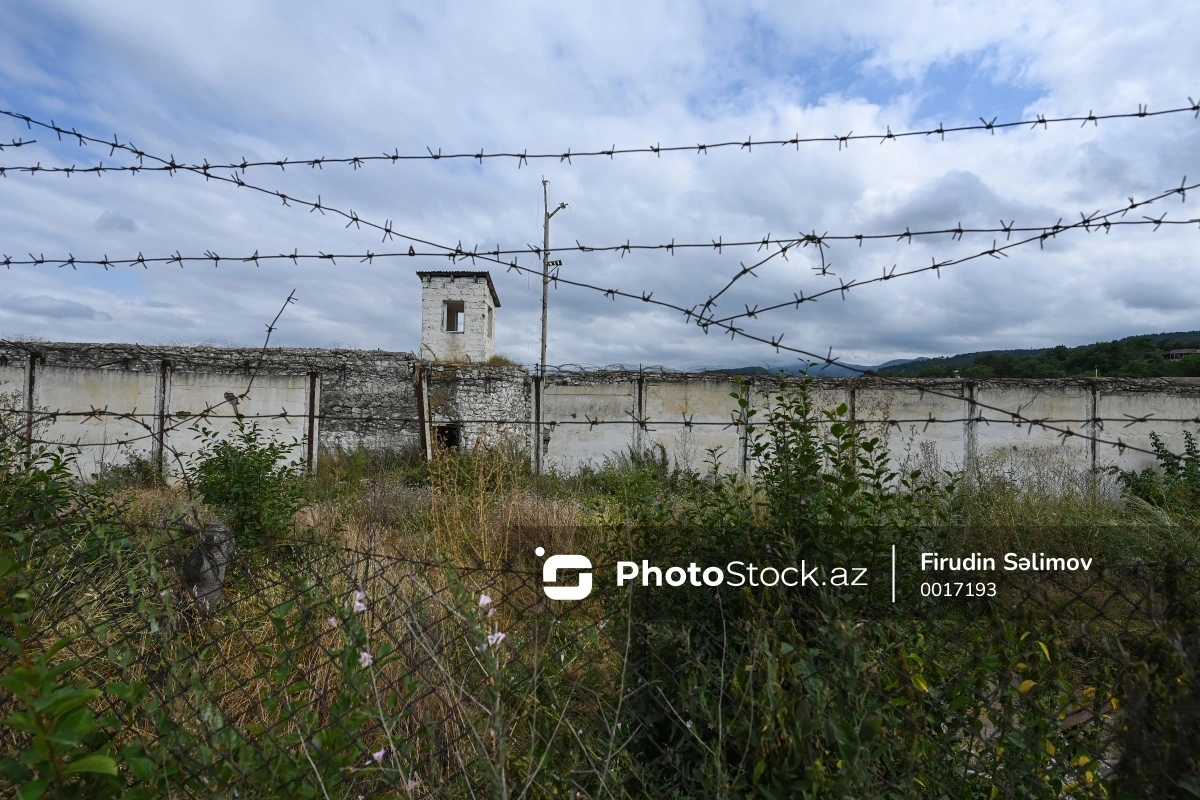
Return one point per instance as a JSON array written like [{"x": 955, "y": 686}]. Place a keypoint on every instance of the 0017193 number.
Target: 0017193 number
[{"x": 958, "y": 589}]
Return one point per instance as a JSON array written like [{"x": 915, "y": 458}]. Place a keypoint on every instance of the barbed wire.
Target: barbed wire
[
  {"x": 16, "y": 143},
  {"x": 1095, "y": 221},
  {"x": 686, "y": 420},
  {"x": 1043, "y": 232},
  {"x": 522, "y": 158},
  {"x": 389, "y": 233},
  {"x": 646, "y": 297}
]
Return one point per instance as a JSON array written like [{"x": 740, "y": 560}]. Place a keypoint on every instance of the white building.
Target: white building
[{"x": 458, "y": 316}]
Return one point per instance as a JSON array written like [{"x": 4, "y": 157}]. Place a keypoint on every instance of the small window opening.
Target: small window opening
[
  {"x": 455, "y": 316},
  {"x": 491, "y": 323},
  {"x": 448, "y": 437}
]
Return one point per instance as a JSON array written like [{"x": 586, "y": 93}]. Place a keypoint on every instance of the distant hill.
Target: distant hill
[
  {"x": 1133, "y": 356},
  {"x": 819, "y": 371}
]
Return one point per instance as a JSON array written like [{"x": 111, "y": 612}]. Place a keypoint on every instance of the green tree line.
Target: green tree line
[{"x": 1136, "y": 357}]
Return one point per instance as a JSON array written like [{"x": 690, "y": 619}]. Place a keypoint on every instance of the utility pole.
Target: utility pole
[
  {"x": 546, "y": 263},
  {"x": 539, "y": 444}
]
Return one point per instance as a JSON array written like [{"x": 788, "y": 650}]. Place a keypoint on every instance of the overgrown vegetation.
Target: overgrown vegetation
[{"x": 351, "y": 659}]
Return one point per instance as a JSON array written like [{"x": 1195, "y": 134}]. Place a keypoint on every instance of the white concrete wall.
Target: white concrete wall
[
  {"x": 709, "y": 408},
  {"x": 283, "y": 398},
  {"x": 105, "y": 417},
  {"x": 567, "y": 408},
  {"x": 12, "y": 385},
  {"x": 920, "y": 429},
  {"x": 100, "y": 440},
  {"x": 592, "y": 416},
  {"x": 1069, "y": 406},
  {"x": 477, "y": 343},
  {"x": 949, "y": 429},
  {"x": 1134, "y": 415}
]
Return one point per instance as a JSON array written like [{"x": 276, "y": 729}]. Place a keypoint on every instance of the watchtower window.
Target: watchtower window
[
  {"x": 455, "y": 316},
  {"x": 491, "y": 323}
]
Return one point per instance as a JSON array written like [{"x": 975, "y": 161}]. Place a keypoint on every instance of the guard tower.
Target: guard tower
[{"x": 458, "y": 316}]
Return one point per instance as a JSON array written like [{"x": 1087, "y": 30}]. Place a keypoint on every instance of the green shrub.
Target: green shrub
[
  {"x": 247, "y": 478},
  {"x": 1174, "y": 485}
]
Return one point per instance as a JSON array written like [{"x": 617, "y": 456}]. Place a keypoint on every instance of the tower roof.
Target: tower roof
[{"x": 463, "y": 274}]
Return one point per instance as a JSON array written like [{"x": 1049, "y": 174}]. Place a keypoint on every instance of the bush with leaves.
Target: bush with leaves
[
  {"x": 248, "y": 477},
  {"x": 1174, "y": 485}
]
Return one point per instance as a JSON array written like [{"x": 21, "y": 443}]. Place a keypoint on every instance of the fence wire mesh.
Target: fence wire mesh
[{"x": 325, "y": 669}]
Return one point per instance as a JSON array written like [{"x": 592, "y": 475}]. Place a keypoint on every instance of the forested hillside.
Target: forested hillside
[{"x": 1134, "y": 357}]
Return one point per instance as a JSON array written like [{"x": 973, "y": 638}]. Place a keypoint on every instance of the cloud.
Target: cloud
[
  {"x": 51, "y": 307},
  {"x": 265, "y": 83},
  {"x": 957, "y": 196},
  {"x": 112, "y": 221}
]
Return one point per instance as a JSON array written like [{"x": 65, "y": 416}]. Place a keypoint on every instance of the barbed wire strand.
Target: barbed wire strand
[
  {"x": 686, "y": 420},
  {"x": 522, "y": 158},
  {"x": 1042, "y": 234},
  {"x": 1088, "y": 223},
  {"x": 716, "y": 244}
]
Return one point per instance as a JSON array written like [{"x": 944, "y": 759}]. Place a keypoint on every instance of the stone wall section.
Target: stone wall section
[
  {"x": 385, "y": 400},
  {"x": 485, "y": 403}
]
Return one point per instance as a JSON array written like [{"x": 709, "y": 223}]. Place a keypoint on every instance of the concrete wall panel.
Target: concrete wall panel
[
  {"x": 1066, "y": 406},
  {"x": 574, "y": 441},
  {"x": 100, "y": 440},
  {"x": 192, "y": 393},
  {"x": 921, "y": 429},
  {"x": 1131, "y": 416},
  {"x": 12, "y": 385},
  {"x": 709, "y": 408}
]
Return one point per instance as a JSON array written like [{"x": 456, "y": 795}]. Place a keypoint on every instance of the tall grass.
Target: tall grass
[{"x": 775, "y": 695}]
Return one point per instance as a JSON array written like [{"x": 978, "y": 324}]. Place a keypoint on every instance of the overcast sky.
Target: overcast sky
[{"x": 222, "y": 81}]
